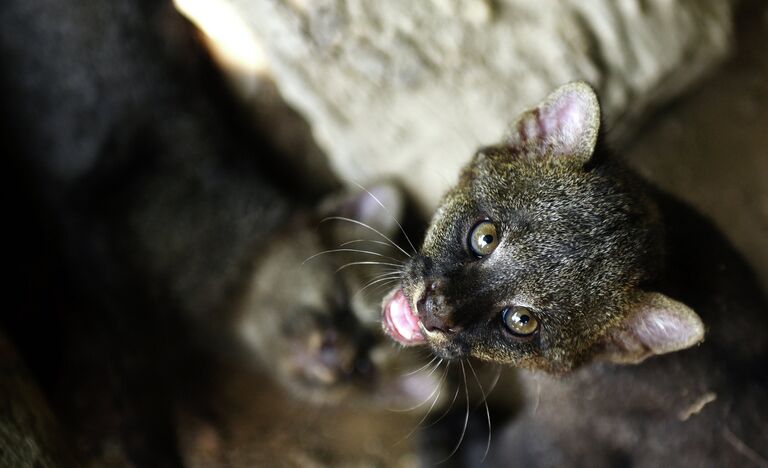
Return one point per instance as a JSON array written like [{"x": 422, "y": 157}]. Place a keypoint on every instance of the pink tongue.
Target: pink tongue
[{"x": 400, "y": 322}]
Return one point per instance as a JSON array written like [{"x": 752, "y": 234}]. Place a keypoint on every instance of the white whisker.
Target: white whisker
[
  {"x": 466, "y": 417},
  {"x": 420, "y": 368},
  {"x": 383, "y": 287},
  {"x": 447, "y": 410},
  {"x": 437, "y": 387},
  {"x": 367, "y": 252},
  {"x": 487, "y": 411},
  {"x": 433, "y": 370},
  {"x": 385, "y": 271},
  {"x": 360, "y": 223},
  {"x": 365, "y": 263},
  {"x": 432, "y": 406},
  {"x": 495, "y": 380},
  {"x": 386, "y": 281},
  {"x": 359, "y": 241},
  {"x": 390, "y": 215},
  {"x": 388, "y": 272}
]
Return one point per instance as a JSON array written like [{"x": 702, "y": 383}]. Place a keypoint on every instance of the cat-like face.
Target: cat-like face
[
  {"x": 307, "y": 322},
  {"x": 536, "y": 257}
]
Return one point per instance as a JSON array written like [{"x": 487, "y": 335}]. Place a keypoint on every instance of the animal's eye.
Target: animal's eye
[
  {"x": 520, "y": 320},
  {"x": 483, "y": 238}
]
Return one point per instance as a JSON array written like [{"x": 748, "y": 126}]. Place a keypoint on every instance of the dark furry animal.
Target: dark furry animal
[{"x": 550, "y": 255}]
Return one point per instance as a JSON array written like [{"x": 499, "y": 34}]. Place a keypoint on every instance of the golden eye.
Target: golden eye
[
  {"x": 483, "y": 238},
  {"x": 520, "y": 320}
]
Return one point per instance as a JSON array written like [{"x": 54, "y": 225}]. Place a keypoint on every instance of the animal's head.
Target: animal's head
[
  {"x": 307, "y": 314},
  {"x": 538, "y": 256}
]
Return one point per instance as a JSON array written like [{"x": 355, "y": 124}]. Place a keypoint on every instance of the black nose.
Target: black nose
[{"x": 433, "y": 309}]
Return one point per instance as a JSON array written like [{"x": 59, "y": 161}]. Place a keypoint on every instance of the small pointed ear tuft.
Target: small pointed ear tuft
[
  {"x": 378, "y": 207},
  {"x": 565, "y": 124},
  {"x": 655, "y": 325}
]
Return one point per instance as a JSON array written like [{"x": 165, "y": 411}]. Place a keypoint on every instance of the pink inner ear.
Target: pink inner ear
[
  {"x": 659, "y": 331},
  {"x": 564, "y": 121},
  {"x": 663, "y": 325},
  {"x": 565, "y": 124},
  {"x": 656, "y": 324}
]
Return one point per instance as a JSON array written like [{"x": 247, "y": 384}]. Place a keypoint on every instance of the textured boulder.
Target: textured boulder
[{"x": 409, "y": 89}]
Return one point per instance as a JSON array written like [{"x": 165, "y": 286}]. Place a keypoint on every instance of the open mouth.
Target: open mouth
[{"x": 399, "y": 321}]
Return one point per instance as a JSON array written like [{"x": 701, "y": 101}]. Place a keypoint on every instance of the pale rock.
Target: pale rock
[{"x": 409, "y": 89}]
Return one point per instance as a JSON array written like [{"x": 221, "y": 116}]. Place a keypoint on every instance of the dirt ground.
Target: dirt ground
[{"x": 710, "y": 147}]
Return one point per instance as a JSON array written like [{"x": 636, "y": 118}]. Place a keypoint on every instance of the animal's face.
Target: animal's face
[
  {"x": 304, "y": 314},
  {"x": 536, "y": 256}
]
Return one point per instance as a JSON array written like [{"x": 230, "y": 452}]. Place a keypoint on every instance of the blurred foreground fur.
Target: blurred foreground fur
[{"x": 183, "y": 239}]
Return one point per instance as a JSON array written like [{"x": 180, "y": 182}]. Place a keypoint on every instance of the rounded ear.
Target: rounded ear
[
  {"x": 654, "y": 324},
  {"x": 379, "y": 207},
  {"x": 565, "y": 124}
]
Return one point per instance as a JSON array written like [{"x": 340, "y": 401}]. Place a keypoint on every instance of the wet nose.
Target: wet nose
[{"x": 434, "y": 312}]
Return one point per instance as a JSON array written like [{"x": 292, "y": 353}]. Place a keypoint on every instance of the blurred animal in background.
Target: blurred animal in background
[
  {"x": 550, "y": 255},
  {"x": 309, "y": 314},
  {"x": 183, "y": 239}
]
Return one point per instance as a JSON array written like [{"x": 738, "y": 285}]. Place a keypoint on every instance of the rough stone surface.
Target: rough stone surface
[{"x": 410, "y": 89}]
